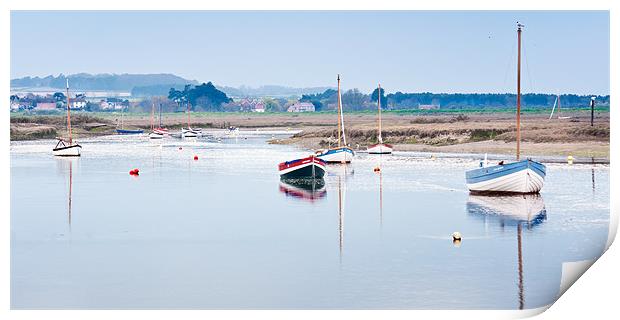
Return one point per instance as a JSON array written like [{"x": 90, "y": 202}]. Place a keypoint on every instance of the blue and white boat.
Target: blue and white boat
[
  {"x": 526, "y": 176},
  {"x": 522, "y": 176},
  {"x": 342, "y": 153}
]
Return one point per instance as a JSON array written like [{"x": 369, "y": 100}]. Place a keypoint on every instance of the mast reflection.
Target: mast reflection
[{"x": 518, "y": 210}]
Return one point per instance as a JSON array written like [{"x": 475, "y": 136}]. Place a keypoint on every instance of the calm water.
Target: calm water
[{"x": 224, "y": 232}]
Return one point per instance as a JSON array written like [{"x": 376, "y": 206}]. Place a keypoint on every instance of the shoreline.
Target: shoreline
[{"x": 491, "y": 133}]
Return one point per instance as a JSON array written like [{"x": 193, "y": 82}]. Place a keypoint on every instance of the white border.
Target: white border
[{"x": 597, "y": 289}]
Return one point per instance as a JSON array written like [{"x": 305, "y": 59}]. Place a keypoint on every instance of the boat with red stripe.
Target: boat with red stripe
[{"x": 309, "y": 167}]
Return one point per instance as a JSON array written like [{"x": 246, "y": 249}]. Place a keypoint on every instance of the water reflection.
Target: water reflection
[
  {"x": 65, "y": 166},
  {"x": 341, "y": 201},
  {"x": 518, "y": 210},
  {"x": 309, "y": 190}
]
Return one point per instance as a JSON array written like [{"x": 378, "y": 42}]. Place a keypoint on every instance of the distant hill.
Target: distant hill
[
  {"x": 243, "y": 91},
  {"x": 108, "y": 82}
]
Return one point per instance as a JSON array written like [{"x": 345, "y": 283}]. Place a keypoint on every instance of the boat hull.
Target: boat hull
[
  {"x": 380, "y": 148},
  {"x": 155, "y": 135},
  {"x": 525, "y": 176},
  {"x": 122, "y": 131},
  {"x": 337, "y": 155},
  {"x": 306, "y": 168},
  {"x": 73, "y": 150},
  {"x": 190, "y": 133}
]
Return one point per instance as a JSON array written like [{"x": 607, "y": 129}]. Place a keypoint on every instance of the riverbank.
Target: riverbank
[{"x": 431, "y": 132}]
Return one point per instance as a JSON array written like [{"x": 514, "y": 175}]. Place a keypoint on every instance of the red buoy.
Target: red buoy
[
  {"x": 195, "y": 157},
  {"x": 134, "y": 172}
]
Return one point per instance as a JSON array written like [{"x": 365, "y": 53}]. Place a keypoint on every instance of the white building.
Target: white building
[{"x": 301, "y": 107}]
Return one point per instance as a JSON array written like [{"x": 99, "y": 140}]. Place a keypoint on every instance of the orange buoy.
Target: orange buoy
[{"x": 195, "y": 157}]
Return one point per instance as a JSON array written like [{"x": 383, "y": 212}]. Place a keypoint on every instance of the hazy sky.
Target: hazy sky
[{"x": 410, "y": 51}]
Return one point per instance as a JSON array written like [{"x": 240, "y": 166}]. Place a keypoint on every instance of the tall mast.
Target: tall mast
[
  {"x": 379, "y": 106},
  {"x": 160, "y": 115},
  {"x": 152, "y": 115},
  {"x": 339, "y": 124},
  {"x": 69, "y": 113},
  {"x": 188, "y": 118},
  {"x": 559, "y": 107},
  {"x": 519, "y": 92}
]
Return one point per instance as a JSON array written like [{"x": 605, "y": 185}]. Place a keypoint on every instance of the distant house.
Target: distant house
[
  {"x": 110, "y": 104},
  {"x": 301, "y": 107},
  {"x": 45, "y": 106},
  {"x": 259, "y": 107},
  {"x": 78, "y": 103},
  {"x": 428, "y": 107}
]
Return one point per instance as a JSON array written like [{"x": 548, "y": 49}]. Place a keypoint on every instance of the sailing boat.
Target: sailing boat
[
  {"x": 126, "y": 131},
  {"x": 557, "y": 103},
  {"x": 67, "y": 148},
  {"x": 159, "y": 132},
  {"x": 341, "y": 154},
  {"x": 380, "y": 148},
  {"x": 522, "y": 176},
  {"x": 189, "y": 132}
]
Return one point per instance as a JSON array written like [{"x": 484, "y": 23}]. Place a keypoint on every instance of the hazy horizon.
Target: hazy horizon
[{"x": 407, "y": 51}]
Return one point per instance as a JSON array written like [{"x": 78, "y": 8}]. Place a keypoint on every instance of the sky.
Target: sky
[{"x": 407, "y": 51}]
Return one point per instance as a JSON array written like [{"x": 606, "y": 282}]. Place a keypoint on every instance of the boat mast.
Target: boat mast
[
  {"x": 188, "y": 117},
  {"x": 519, "y": 91},
  {"x": 160, "y": 115},
  {"x": 152, "y": 115},
  {"x": 69, "y": 113},
  {"x": 339, "y": 138},
  {"x": 379, "y": 106},
  {"x": 559, "y": 107}
]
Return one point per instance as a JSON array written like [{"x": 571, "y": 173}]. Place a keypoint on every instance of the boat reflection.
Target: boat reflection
[
  {"x": 65, "y": 166},
  {"x": 518, "y": 210},
  {"x": 309, "y": 190},
  {"x": 527, "y": 209},
  {"x": 341, "y": 202}
]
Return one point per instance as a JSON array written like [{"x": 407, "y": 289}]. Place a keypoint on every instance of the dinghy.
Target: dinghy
[
  {"x": 67, "y": 148},
  {"x": 127, "y": 131},
  {"x": 341, "y": 154},
  {"x": 157, "y": 133},
  {"x": 311, "y": 167},
  {"x": 522, "y": 176},
  {"x": 380, "y": 148},
  {"x": 190, "y": 132}
]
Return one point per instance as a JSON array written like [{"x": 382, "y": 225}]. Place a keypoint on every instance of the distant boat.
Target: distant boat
[
  {"x": 341, "y": 154},
  {"x": 127, "y": 131},
  {"x": 310, "y": 167},
  {"x": 159, "y": 132},
  {"x": 380, "y": 148},
  {"x": 557, "y": 103},
  {"x": 67, "y": 148},
  {"x": 304, "y": 189},
  {"x": 522, "y": 176},
  {"x": 190, "y": 132}
]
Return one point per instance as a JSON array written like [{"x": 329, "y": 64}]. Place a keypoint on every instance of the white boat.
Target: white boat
[
  {"x": 190, "y": 132},
  {"x": 342, "y": 153},
  {"x": 157, "y": 133},
  {"x": 379, "y": 148},
  {"x": 67, "y": 148},
  {"x": 557, "y": 103},
  {"x": 522, "y": 176}
]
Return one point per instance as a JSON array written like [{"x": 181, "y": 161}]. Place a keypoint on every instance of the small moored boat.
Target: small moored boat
[
  {"x": 522, "y": 176},
  {"x": 380, "y": 148},
  {"x": 311, "y": 167},
  {"x": 67, "y": 148},
  {"x": 157, "y": 133},
  {"x": 342, "y": 153}
]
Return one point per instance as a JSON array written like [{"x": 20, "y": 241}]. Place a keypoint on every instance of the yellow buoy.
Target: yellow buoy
[{"x": 570, "y": 159}]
